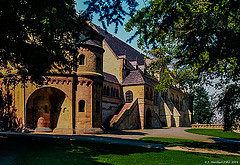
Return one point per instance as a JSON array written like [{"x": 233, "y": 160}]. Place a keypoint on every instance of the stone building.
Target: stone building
[{"x": 108, "y": 88}]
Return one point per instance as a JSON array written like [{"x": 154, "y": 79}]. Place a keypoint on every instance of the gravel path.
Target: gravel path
[{"x": 167, "y": 133}]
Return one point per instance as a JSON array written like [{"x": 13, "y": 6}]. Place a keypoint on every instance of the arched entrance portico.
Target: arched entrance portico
[{"x": 44, "y": 107}]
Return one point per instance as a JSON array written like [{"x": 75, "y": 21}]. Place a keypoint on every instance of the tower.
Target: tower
[{"x": 87, "y": 86}]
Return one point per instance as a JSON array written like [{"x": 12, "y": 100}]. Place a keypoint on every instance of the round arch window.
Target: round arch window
[
  {"x": 81, "y": 106},
  {"x": 81, "y": 59},
  {"x": 129, "y": 96}
]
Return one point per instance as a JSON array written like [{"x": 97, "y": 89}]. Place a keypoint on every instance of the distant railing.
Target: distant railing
[
  {"x": 213, "y": 126},
  {"x": 208, "y": 126}
]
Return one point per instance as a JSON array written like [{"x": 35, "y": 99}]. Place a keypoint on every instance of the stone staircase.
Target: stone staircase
[{"x": 125, "y": 111}]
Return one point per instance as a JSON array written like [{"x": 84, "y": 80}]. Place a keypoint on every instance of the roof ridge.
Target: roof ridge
[
  {"x": 118, "y": 38},
  {"x": 120, "y": 47},
  {"x": 136, "y": 77}
]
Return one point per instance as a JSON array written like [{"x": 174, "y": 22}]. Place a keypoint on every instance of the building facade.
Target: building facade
[{"x": 108, "y": 89}]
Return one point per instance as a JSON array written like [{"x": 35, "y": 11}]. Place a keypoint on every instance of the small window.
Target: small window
[
  {"x": 129, "y": 96},
  {"x": 81, "y": 106},
  {"x": 81, "y": 59}
]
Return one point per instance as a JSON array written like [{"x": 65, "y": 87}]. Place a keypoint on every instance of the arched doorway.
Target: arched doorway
[
  {"x": 148, "y": 119},
  {"x": 44, "y": 107}
]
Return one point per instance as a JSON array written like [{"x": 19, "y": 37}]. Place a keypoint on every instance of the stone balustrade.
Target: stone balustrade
[
  {"x": 208, "y": 126},
  {"x": 212, "y": 126}
]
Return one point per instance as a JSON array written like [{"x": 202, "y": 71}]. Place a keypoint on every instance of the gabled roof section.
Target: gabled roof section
[
  {"x": 136, "y": 77},
  {"x": 110, "y": 78},
  {"x": 120, "y": 48},
  {"x": 91, "y": 36}
]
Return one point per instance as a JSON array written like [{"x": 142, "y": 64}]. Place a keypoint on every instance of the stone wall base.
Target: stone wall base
[
  {"x": 69, "y": 131},
  {"x": 63, "y": 131},
  {"x": 80, "y": 131},
  {"x": 42, "y": 130}
]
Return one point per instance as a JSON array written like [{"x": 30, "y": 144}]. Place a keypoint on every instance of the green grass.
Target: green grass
[
  {"x": 216, "y": 133},
  {"x": 191, "y": 143},
  {"x": 41, "y": 151}
]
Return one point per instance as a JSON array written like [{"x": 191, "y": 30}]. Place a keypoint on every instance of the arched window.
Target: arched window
[
  {"x": 104, "y": 90},
  {"x": 114, "y": 92},
  {"x": 111, "y": 92},
  {"x": 117, "y": 93},
  {"x": 81, "y": 106},
  {"x": 81, "y": 59},
  {"x": 108, "y": 92},
  {"x": 129, "y": 96}
]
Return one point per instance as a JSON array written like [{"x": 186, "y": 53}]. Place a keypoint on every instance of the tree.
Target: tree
[
  {"x": 201, "y": 35},
  {"x": 229, "y": 106},
  {"x": 38, "y": 36},
  {"x": 35, "y": 35},
  {"x": 201, "y": 106},
  {"x": 198, "y": 38},
  {"x": 111, "y": 11}
]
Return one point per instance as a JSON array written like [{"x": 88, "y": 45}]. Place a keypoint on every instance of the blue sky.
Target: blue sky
[{"x": 121, "y": 34}]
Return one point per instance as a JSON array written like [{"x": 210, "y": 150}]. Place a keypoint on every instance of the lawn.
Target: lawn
[
  {"x": 191, "y": 143},
  {"x": 216, "y": 133},
  {"x": 43, "y": 151}
]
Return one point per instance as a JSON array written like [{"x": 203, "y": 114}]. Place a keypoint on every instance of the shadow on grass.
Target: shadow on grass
[
  {"x": 219, "y": 145},
  {"x": 53, "y": 149},
  {"x": 40, "y": 150}
]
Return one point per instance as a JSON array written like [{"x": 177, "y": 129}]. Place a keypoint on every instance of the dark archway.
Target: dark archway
[
  {"x": 148, "y": 119},
  {"x": 44, "y": 103}
]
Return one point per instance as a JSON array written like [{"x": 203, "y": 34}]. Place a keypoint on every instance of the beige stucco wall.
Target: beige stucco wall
[
  {"x": 111, "y": 63},
  {"x": 138, "y": 91}
]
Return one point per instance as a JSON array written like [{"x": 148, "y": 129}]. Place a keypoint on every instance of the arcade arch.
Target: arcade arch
[{"x": 48, "y": 104}]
